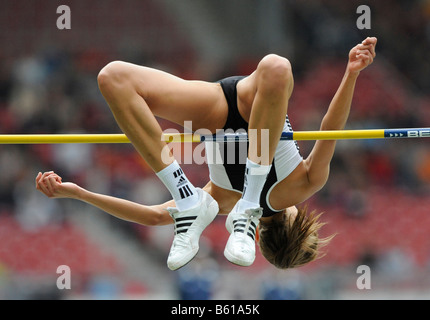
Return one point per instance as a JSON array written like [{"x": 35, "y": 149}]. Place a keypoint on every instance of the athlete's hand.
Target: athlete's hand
[
  {"x": 51, "y": 185},
  {"x": 362, "y": 55}
]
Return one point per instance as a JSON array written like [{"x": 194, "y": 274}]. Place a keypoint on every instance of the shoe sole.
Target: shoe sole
[
  {"x": 231, "y": 258},
  {"x": 183, "y": 264}
]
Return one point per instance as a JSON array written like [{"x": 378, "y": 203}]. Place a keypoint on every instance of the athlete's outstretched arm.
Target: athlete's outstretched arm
[
  {"x": 318, "y": 162},
  {"x": 50, "y": 184}
]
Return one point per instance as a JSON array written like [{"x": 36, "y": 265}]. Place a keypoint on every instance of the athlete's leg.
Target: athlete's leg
[
  {"x": 136, "y": 95},
  {"x": 264, "y": 96},
  {"x": 263, "y": 100},
  {"x": 272, "y": 83}
]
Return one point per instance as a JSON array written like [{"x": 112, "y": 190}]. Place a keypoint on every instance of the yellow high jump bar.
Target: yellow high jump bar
[{"x": 227, "y": 137}]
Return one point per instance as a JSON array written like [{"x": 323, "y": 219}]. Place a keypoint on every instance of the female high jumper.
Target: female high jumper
[{"x": 259, "y": 193}]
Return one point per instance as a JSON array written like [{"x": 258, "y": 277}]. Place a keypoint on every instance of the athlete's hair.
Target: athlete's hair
[{"x": 290, "y": 243}]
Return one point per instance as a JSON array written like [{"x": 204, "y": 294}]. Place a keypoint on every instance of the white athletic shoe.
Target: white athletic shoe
[
  {"x": 242, "y": 225},
  {"x": 189, "y": 225}
]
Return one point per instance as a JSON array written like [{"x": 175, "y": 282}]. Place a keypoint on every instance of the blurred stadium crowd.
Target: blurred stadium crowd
[{"x": 377, "y": 198}]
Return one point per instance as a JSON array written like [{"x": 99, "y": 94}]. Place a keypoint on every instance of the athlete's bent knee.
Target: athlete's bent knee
[
  {"x": 275, "y": 72},
  {"x": 113, "y": 74}
]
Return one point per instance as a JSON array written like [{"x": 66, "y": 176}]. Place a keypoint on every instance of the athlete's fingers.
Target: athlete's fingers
[
  {"x": 51, "y": 174},
  {"x": 365, "y": 57},
  {"x": 39, "y": 175},
  {"x": 54, "y": 175},
  {"x": 370, "y": 48},
  {"x": 43, "y": 189},
  {"x": 48, "y": 184},
  {"x": 40, "y": 183},
  {"x": 370, "y": 40},
  {"x": 54, "y": 183},
  {"x": 47, "y": 173},
  {"x": 364, "y": 52},
  {"x": 367, "y": 46}
]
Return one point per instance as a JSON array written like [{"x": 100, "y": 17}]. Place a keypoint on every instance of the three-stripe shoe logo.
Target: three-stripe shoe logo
[
  {"x": 182, "y": 224},
  {"x": 239, "y": 225}
]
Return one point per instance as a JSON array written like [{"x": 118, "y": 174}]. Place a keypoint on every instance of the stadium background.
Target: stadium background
[{"x": 377, "y": 198}]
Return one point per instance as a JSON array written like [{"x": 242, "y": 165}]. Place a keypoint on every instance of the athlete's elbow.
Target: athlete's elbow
[
  {"x": 317, "y": 179},
  {"x": 316, "y": 184}
]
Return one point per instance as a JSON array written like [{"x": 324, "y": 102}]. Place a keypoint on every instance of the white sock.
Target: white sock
[
  {"x": 181, "y": 189},
  {"x": 255, "y": 178}
]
